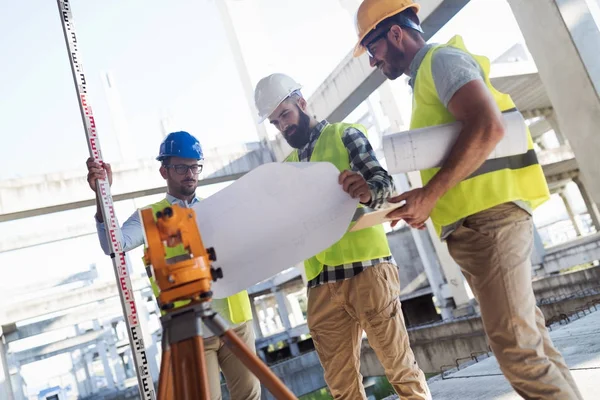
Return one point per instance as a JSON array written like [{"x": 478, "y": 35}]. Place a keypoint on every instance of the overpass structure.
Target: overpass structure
[{"x": 429, "y": 274}]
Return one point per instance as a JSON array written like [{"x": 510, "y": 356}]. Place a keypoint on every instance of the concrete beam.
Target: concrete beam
[
  {"x": 101, "y": 310},
  {"x": 567, "y": 59},
  {"x": 538, "y": 128},
  {"x": 13, "y": 313},
  {"x": 21, "y": 197},
  {"x": 293, "y": 333},
  {"x": 576, "y": 252},
  {"x": 561, "y": 171},
  {"x": 56, "y": 348},
  {"x": 353, "y": 80},
  {"x": 278, "y": 280},
  {"x": 590, "y": 205}
]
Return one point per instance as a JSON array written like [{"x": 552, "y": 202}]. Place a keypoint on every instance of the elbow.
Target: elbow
[
  {"x": 497, "y": 131},
  {"x": 491, "y": 128}
]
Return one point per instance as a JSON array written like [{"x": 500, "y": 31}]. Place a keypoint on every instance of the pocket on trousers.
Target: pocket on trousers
[{"x": 389, "y": 312}]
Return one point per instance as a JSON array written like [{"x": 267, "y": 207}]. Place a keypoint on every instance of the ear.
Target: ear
[
  {"x": 163, "y": 172},
  {"x": 396, "y": 34},
  {"x": 302, "y": 104}
]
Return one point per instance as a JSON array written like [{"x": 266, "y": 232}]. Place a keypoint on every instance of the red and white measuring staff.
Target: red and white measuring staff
[{"x": 134, "y": 329}]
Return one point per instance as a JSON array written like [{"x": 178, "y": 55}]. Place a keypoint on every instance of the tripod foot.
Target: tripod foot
[{"x": 258, "y": 368}]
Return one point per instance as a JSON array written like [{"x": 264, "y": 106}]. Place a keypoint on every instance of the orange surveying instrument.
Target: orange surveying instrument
[{"x": 183, "y": 374}]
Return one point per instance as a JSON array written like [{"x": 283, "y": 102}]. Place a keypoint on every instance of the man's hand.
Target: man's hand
[
  {"x": 97, "y": 171},
  {"x": 355, "y": 185},
  {"x": 419, "y": 203}
]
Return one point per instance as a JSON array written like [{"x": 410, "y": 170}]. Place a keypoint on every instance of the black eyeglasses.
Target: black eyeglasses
[
  {"x": 401, "y": 21},
  {"x": 376, "y": 38},
  {"x": 182, "y": 169}
]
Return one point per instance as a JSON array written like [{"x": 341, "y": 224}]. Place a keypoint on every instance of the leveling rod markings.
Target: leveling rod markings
[{"x": 146, "y": 385}]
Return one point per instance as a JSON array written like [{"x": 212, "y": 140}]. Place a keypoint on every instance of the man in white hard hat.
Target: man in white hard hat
[
  {"x": 482, "y": 208},
  {"x": 354, "y": 284}
]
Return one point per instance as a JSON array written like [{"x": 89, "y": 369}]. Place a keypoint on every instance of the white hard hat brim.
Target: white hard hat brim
[{"x": 262, "y": 118}]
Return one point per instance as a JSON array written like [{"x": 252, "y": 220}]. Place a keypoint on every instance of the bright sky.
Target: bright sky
[
  {"x": 171, "y": 58},
  {"x": 168, "y": 59}
]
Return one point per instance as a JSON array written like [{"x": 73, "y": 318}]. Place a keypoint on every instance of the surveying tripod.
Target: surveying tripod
[{"x": 183, "y": 373}]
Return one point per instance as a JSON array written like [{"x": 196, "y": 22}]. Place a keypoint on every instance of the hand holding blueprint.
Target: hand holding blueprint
[
  {"x": 424, "y": 148},
  {"x": 271, "y": 219}
]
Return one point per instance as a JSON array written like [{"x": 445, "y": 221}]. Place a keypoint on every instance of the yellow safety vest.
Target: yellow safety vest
[
  {"x": 498, "y": 181},
  {"x": 365, "y": 244},
  {"x": 237, "y": 306}
]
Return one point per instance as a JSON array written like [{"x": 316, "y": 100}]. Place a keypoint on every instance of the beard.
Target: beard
[
  {"x": 301, "y": 132},
  {"x": 394, "y": 68},
  {"x": 187, "y": 190}
]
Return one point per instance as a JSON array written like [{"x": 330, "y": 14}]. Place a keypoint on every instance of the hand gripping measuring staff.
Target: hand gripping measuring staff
[
  {"x": 183, "y": 374},
  {"x": 146, "y": 385}
]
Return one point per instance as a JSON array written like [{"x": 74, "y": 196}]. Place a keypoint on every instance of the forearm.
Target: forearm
[
  {"x": 473, "y": 146},
  {"x": 131, "y": 234},
  {"x": 98, "y": 215},
  {"x": 382, "y": 187}
]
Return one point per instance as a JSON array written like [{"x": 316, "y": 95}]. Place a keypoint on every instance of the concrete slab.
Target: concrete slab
[{"x": 578, "y": 341}]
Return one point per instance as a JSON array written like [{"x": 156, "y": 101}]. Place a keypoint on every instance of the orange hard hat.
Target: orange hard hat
[{"x": 372, "y": 12}]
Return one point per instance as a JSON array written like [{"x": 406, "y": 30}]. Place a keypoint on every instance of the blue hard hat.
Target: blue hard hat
[{"x": 180, "y": 144}]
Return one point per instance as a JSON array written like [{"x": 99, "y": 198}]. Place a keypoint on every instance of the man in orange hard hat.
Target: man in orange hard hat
[{"x": 482, "y": 208}]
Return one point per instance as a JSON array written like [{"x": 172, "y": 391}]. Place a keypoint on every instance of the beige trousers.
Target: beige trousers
[
  {"x": 338, "y": 312},
  {"x": 493, "y": 249},
  {"x": 241, "y": 383}
]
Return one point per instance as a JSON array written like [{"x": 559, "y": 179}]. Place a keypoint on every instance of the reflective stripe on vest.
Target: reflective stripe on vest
[
  {"x": 237, "y": 306},
  {"x": 365, "y": 244},
  {"x": 496, "y": 181}
]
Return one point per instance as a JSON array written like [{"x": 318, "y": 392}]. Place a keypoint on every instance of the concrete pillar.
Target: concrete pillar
[
  {"x": 294, "y": 349},
  {"x": 116, "y": 364},
  {"x": 75, "y": 368},
  {"x": 570, "y": 212},
  {"x": 564, "y": 39},
  {"x": 296, "y": 309},
  {"x": 281, "y": 306},
  {"x": 300, "y": 267},
  {"x": 456, "y": 285},
  {"x": 257, "y": 330},
  {"x": 101, "y": 347},
  {"x": 434, "y": 273},
  {"x": 19, "y": 384},
  {"x": 242, "y": 70},
  {"x": 591, "y": 206},
  {"x": 6, "y": 389},
  {"x": 556, "y": 128}
]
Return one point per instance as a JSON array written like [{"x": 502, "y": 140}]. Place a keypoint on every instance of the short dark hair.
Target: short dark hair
[
  {"x": 407, "y": 20},
  {"x": 166, "y": 161}
]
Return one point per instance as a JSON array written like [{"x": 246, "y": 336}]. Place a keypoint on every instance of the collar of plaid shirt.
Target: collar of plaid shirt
[{"x": 305, "y": 153}]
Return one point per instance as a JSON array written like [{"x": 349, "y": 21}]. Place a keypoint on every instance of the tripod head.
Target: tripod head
[{"x": 188, "y": 275}]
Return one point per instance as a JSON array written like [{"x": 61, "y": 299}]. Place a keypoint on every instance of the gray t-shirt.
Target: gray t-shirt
[{"x": 451, "y": 68}]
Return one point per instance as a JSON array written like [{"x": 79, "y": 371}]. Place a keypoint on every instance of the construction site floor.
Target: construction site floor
[{"x": 578, "y": 341}]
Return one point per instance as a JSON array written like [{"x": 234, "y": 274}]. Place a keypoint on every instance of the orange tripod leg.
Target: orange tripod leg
[
  {"x": 258, "y": 368},
  {"x": 189, "y": 370},
  {"x": 165, "y": 380}
]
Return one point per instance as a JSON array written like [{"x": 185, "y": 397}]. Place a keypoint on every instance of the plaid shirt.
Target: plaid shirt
[{"x": 362, "y": 159}]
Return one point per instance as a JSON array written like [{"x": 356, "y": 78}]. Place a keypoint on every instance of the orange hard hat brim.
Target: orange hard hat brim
[{"x": 359, "y": 49}]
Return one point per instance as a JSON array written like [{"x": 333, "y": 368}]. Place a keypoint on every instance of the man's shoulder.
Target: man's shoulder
[{"x": 348, "y": 128}]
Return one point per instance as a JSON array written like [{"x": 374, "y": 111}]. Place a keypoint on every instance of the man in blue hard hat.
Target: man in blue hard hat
[{"x": 181, "y": 162}]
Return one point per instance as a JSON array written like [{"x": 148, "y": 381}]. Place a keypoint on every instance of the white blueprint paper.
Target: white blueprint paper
[
  {"x": 271, "y": 219},
  {"x": 429, "y": 147}
]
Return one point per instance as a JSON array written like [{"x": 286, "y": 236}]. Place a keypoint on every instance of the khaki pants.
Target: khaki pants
[
  {"x": 241, "y": 383},
  {"x": 493, "y": 249},
  {"x": 338, "y": 312}
]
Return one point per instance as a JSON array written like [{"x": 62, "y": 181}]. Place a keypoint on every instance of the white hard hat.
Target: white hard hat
[{"x": 271, "y": 91}]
